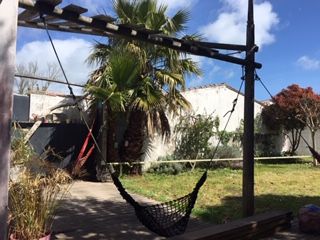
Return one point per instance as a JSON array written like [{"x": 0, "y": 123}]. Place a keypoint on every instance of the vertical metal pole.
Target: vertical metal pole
[
  {"x": 8, "y": 32},
  {"x": 248, "y": 138}
]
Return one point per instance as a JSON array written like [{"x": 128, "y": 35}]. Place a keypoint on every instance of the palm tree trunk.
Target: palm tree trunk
[
  {"x": 132, "y": 144},
  {"x": 112, "y": 145}
]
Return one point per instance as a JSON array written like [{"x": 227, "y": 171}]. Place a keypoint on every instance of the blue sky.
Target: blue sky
[{"x": 286, "y": 31}]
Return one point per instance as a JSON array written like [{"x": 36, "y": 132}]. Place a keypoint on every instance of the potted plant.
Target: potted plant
[{"x": 34, "y": 192}]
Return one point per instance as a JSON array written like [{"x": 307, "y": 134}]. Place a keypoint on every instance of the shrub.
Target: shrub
[
  {"x": 265, "y": 145},
  {"x": 167, "y": 168},
  {"x": 193, "y": 133},
  {"x": 226, "y": 151}
]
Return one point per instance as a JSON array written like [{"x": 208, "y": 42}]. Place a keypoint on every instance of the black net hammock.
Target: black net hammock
[{"x": 166, "y": 219}]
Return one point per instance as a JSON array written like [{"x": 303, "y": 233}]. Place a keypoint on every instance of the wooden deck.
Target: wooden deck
[{"x": 97, "y": 211}]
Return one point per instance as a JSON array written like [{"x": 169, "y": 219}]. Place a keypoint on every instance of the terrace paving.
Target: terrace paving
[{"x": 97, "y": 211}]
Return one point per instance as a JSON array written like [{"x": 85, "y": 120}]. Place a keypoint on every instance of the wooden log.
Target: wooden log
[
  {"x": 247, "y": 228},
  {"x": 8, "y": 33}
]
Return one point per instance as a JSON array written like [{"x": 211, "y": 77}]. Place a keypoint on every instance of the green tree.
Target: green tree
[{"x": 155, "y": 90}]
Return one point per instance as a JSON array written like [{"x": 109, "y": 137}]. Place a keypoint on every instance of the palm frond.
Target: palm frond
[
  {"x": 99, "y": 54},
  {"x": 177, "y": 23}
]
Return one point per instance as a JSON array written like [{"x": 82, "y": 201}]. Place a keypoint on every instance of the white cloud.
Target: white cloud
[
  {"x": 72, "y": 53},
  {"x": 308, "y": 63},
  {"x": 177, "y": 4},
  {"x": 230, "y": 26}
]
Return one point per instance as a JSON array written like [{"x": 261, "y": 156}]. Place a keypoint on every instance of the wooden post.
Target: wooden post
[
  {"x": 8, "y": 32},
  {"x": 248, "y": 138}
]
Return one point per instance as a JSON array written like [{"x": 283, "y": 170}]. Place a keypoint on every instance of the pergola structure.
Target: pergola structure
[{"x": 71, "y": 18}]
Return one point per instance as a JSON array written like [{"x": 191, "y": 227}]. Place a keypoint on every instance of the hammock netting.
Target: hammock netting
[
  {"x": 166, "y": 219},
  {"x": 315, "y": 154}
]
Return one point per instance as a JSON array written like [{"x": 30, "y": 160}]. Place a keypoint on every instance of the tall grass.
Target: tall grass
[
  {"x": 32, "y": 204},
  {"x": 33, "y": 193}
]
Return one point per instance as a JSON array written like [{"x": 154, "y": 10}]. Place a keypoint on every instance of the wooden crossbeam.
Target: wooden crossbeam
[
  {"x": 27, "y": 15},
  {"x": 98, "y": 25},
  {"x": 62, "y": 28},
  {"x": 235, "y": 47},
  {"x": 104, "y": 18},
  {"x": 75, "y": 8},
  {"x": 254, "y": 227}
]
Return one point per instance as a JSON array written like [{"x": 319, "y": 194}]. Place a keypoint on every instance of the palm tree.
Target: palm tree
[{"x": 151, "y": 83}]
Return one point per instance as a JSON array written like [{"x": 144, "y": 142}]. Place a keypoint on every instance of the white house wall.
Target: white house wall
[
  {"x": 218, "y": 100},
  {"x": 41, "y": 103},
  {"x": 214, "y": 99}
]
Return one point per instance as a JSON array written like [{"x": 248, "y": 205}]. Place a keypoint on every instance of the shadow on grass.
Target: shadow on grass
[
  {"x": 90, "y": 218},
  {"x": 231, "y": 207}
]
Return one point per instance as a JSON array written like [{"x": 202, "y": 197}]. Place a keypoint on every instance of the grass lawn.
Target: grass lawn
[{"x": 277, "y": 186}]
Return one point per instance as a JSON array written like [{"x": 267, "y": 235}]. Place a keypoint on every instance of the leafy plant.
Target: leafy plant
[
  {"x": 21, "y": 152},
  {"x": 226, "y": 151},
  {"x": 193, "y": 133},
  {"x": 167, "y": 168}
]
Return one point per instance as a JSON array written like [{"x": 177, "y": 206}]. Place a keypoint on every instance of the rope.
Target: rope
[
  {"x": 263, "y": 85},
  {"x": 230, "y": 112},
  {"x": 72, "y": 93}
]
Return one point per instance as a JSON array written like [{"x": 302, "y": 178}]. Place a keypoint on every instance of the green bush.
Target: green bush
[
  {"x": 227, "y": 151},
  {"x": 265, "y": 145},
  {"x": 167, "y": 168},
  {"x": 193, "y": 133}
]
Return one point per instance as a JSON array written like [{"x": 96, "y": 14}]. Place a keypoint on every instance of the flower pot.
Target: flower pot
[{"x": 47, "y": 237}]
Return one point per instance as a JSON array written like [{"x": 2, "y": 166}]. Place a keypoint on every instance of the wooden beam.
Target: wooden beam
[
  {"x": 129, "y": 32},
  {"x": 27, "y": 15},
  {"x": 69, "y": 29},
  {"x": 254, "y": 227},
  {"x": 104, "y": 18},
  {"x": 248, "y": 136},
  {"x": 224, "y": 46},
  {"x": 75, "y": 8},
  {"x": 8, "y": 33}
]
